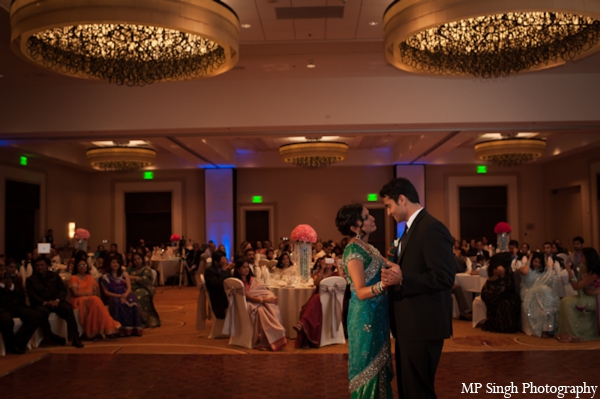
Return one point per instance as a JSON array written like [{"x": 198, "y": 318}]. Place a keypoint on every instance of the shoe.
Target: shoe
[
  {"x": 77, "y": 343},
  {"x": 16, "y": 350},
  {"x": 58, "y": 339},
  {"x": 466, "y": 317}
]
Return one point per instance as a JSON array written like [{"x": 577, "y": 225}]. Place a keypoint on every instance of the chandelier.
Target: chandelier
[
  {"x": 313, "y": 153},
  {"x": 487, "y": 39},
  {"x": 134, "y": 42},
  {"x": 120, "y": 158},
  {"x": 511, "y": 150}
]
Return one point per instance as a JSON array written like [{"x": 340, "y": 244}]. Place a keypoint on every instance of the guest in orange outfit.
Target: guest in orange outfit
[{"x": 84, "y": 289}]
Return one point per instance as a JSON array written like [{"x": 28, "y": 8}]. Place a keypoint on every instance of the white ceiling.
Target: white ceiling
[{"x": 273, "y": 48}]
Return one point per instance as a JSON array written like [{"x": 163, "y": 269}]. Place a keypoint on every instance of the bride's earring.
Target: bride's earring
[{"x": 358, "y": 236}]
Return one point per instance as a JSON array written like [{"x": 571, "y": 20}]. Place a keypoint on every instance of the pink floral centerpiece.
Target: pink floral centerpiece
[
  {"x": 81, "y": 234},
  {"x": 502, "y": 231},
  {"x": 175, "y": 237},
  {"x": 304, "y": 233}
]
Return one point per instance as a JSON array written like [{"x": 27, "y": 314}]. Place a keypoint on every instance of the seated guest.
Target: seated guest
[
  {"x": 525, "y": 249},
  {"x": 550, "y": 259},
  {"x": 280, "y": 249},
  {"x": 214, "y": 276},
  {"x": 47, "y": 294},
  {"x": 100, "y": 252},
  {"x": 480, "y": 263},
  {"x": 142, "y": 287},
  {"x": 500, "y": 296},
  {"x": 285, "y": 267},
  {"x": 576, "y": 255},
  {"x": 259, "y": 249},
  {"x": 270, "y": 254},
  {"x": 192, "y": 262},
  {"x": 311, "y": 314},
  {"x": 284, "y": 261},
  {"x": 263, "y": 310},
  {"x": 54, "y": 258},
  {"x": 122, "y": 304},
  {"x": 487, "y": 245},
  {"x": 578, "y": 315},
  {"x": 540, "y": 302},
  {"x": 13, "y": 305},
  {"x": 250, "y": 256},
  {"x": 479, "y": 251},
  {"x": 318, "y": 251},
  {"x": 129, "y": 258},
  {"x": 221, "y": 248},
  {"x": 114, "y": 250},
  {"x": 93, "y": 316}
]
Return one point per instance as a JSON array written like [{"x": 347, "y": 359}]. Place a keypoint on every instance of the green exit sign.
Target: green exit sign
[
  {"x": 481, "y": 169},
  {"x": 24, "y": 161},
  {"x": 148, "y": 175},
  {"x": 371, "y": 197},
  {"x": 257, "y": 199}
]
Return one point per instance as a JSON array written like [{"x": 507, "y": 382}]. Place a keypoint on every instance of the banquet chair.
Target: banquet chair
[
  {"x": 25, "y": 272},
  {"x": 16, "y": 328},
  {"x": 479, "y": 311},
  {"x": 238, "y": 325},
  {"x": 58, "y": 326},
  {"x": 524, "y": 322},
  {"x": 564, "y": 276},
  {"x": 455, "y": 309},
  {"x": 154, "y": 277},
  {"x": 201, "y": 310},
  {"x": 216, "y": 331},
  {"x": 331, "y": 293}
]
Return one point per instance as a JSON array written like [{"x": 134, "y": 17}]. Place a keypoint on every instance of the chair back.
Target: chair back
[
  {"x": 331, "y": 293},
  {"x": 154, "y": 276},
  {"x": 237, "y": 324},
  {"x": 201, "y": 310},
  {"x": 263, "y": 262}
]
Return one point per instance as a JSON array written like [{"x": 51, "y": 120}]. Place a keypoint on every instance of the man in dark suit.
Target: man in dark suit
[
  {"x": 47, "y": 293},
  {"x": 215, "y": 275},
  {"x": 478, "y": 250},
  {"x": 420, "y": 290}
]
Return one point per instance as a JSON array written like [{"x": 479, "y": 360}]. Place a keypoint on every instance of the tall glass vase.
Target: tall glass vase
[
  {"x": 303, "y": 255},
  {"x": 502, "y": 241},
  {"x": 82, "y": 245}
]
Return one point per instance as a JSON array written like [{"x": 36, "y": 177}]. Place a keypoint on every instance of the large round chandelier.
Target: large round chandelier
[
  {"x": 510, "y": 150},
  {"x": 489, "y": 38},
  {"x": 120, "y": 158},
  {"x": 314, "y": 153},
  {"x": 134, "y": 42}
]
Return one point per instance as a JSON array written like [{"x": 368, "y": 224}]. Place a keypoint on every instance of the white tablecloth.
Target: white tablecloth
[
  {"x": 291, "y": 300},
  {"x": 166, "y": 268},
  {"x": 470, "y": 282}
]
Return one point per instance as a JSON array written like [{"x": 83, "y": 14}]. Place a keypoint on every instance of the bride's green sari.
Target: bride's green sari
[{"x": 369, "y": 356}]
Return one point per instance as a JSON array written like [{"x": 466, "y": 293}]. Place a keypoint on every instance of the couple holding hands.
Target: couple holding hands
[{"x": 411, "y": 296}]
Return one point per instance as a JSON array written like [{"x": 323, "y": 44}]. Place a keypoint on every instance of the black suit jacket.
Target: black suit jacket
[
  {"x": 10, "y": 299},
  {"x": 422, "y": 306},
  {"x": 45, "y": 288},
  {"x": 216, "y": 292}
]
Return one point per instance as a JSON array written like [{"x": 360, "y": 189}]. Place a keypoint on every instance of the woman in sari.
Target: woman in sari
[
  {"x": 311, "y": 314},
  {"x": 122, "y": 304},
  {"x": 501, "y": 297},
  {"x": 369, "y": 356},
  {"x": 578, "y": 319},
  {"x": 142, "y": 286},
  {"x": 540, "y": 302},
  {"x": 84, "y": 290},
  {"x": 264, "y": 312}
]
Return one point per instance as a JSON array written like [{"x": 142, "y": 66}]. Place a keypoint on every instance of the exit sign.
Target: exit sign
[{"x": 257, "y": 199}]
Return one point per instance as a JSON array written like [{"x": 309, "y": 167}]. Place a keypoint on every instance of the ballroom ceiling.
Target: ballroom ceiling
[{"x": 282, "y": 38}]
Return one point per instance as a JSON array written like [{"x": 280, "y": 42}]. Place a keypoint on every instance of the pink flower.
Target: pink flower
[
  {"x": 304, "y": 233},
  {"x": 175, "y": 237},
  {"x": 502, "y": 227},
  {"x": 81, "y": 234}
]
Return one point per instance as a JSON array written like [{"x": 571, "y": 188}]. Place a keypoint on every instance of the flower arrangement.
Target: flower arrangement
[
  {"x": 81, "y": 234},
  {"x": 175, "y": 237},
  {"x": 304, "y": 233},
  {"x": 502, "y": 227}
]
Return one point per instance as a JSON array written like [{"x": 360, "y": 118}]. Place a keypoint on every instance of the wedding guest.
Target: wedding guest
[
  {"x": 250, "y": 256},
  {"x": 487, "y": 245},
  {"x": 193, "y": 262},
  {"x": 578, "y": 315},
  {"x": 540, "y": 302},
  {"x": 54, "y": 258},
  {"x": 221, "y": 248},
  {"x": 259, "y": 248},
  {"x": 550, "y": 258},
  {"x": 577, "y": 255},
  {"x": 214, "y": 277},
  {"x": 49, "y": 237},
  {"x": 525, "y": 249},
  {"x": 479, "y": 251},
  {"x": 284, "y": 261},
  {"x": 122, "y": 304},
  {"x": 270, "y": 254},
  {"x": 13, "y": 305},
  {"x": 269, "y": 332},
  {"x": 85, "y": 296},
  {"x": 100, "y": 252},
  {"x": 318, "y": 251},
  {"x": 142, "y": 287},
  {"x": 280, "y": 249},
  {"x": 114, "y": 250},
  {"x": 311, "y": 314},
  {"x": 500, "y": 296}
]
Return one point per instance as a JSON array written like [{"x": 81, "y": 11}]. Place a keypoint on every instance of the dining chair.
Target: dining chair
[
  {"x": 201, "y": 309},
  {"x": 238, "y": 325},
  {"x": 331, "y": 293}
]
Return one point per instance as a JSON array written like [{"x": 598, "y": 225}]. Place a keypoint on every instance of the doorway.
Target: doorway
[
  {"x": 147, "y": 216},
  {"x": 22, "y": 206},
  {"x": 256, "y": 223},
  {"x": 481, "y": 208}
]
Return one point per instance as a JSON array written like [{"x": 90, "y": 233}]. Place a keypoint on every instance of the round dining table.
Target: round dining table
[
  {"x": 166, "y": 268},
  {"x": 290, "y": 301}
]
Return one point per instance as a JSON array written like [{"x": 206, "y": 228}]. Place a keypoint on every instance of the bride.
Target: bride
[{"x": 369, "y": 357}]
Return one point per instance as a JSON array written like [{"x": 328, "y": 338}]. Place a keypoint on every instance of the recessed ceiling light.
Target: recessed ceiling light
[
  {"x": 246, "y": 26},
  {"x": 310, "y": 65},
  {"x": 374, "y": 23},
  {"x": 1, "y": 76}
]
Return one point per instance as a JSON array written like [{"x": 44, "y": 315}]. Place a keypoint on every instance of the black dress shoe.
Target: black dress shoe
[
  {"x": 58, "y": 339},
  {"x": 77, "y": 343}
]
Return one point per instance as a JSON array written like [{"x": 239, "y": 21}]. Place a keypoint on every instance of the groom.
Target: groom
[{"x": 419, "y": 292}]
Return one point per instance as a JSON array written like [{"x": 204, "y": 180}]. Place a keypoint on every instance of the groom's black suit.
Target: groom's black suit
[{"x": 421, "y": 308}]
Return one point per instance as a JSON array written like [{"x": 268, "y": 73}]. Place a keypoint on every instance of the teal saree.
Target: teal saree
[{"x": 369, "y": 356}]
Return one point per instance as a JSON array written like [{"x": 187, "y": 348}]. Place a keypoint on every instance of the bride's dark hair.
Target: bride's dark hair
[{"x": 347, "y": 217}]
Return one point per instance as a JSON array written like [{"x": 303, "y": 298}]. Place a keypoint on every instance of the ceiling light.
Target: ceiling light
[
  {"x": 488, "y": 38},
  {"x": 510, "y": 150},
  {"x": 311, "y": 65},
  {"x": 136, "y": 42},
  {"x": 120, "y": 158},
  {"x": 246, "y": 26},
  {"x": 314, "y": 153},
  {"x": 374, "y": 23}
]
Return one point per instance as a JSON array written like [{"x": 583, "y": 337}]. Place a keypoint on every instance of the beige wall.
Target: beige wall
[{"x": 303, "y": 196}]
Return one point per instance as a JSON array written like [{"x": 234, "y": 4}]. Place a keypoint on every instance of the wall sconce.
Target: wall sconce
[{"x": 71, "y": 229}]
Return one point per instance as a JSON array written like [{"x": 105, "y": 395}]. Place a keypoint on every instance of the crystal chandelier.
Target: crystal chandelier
[
  {"x": 487, "y": 39},
  {"x": 314, "y": 153},
  {"x": 120, "y": 157},
  {"x": 135, "y": 42},
  {"x": 510, "y": 150}
]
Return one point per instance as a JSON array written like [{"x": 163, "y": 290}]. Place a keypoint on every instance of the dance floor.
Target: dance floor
[{"x": 272, "y": 376}]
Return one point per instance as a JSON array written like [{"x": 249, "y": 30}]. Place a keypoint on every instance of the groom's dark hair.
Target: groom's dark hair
[{"x": 400, "y": 186}]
